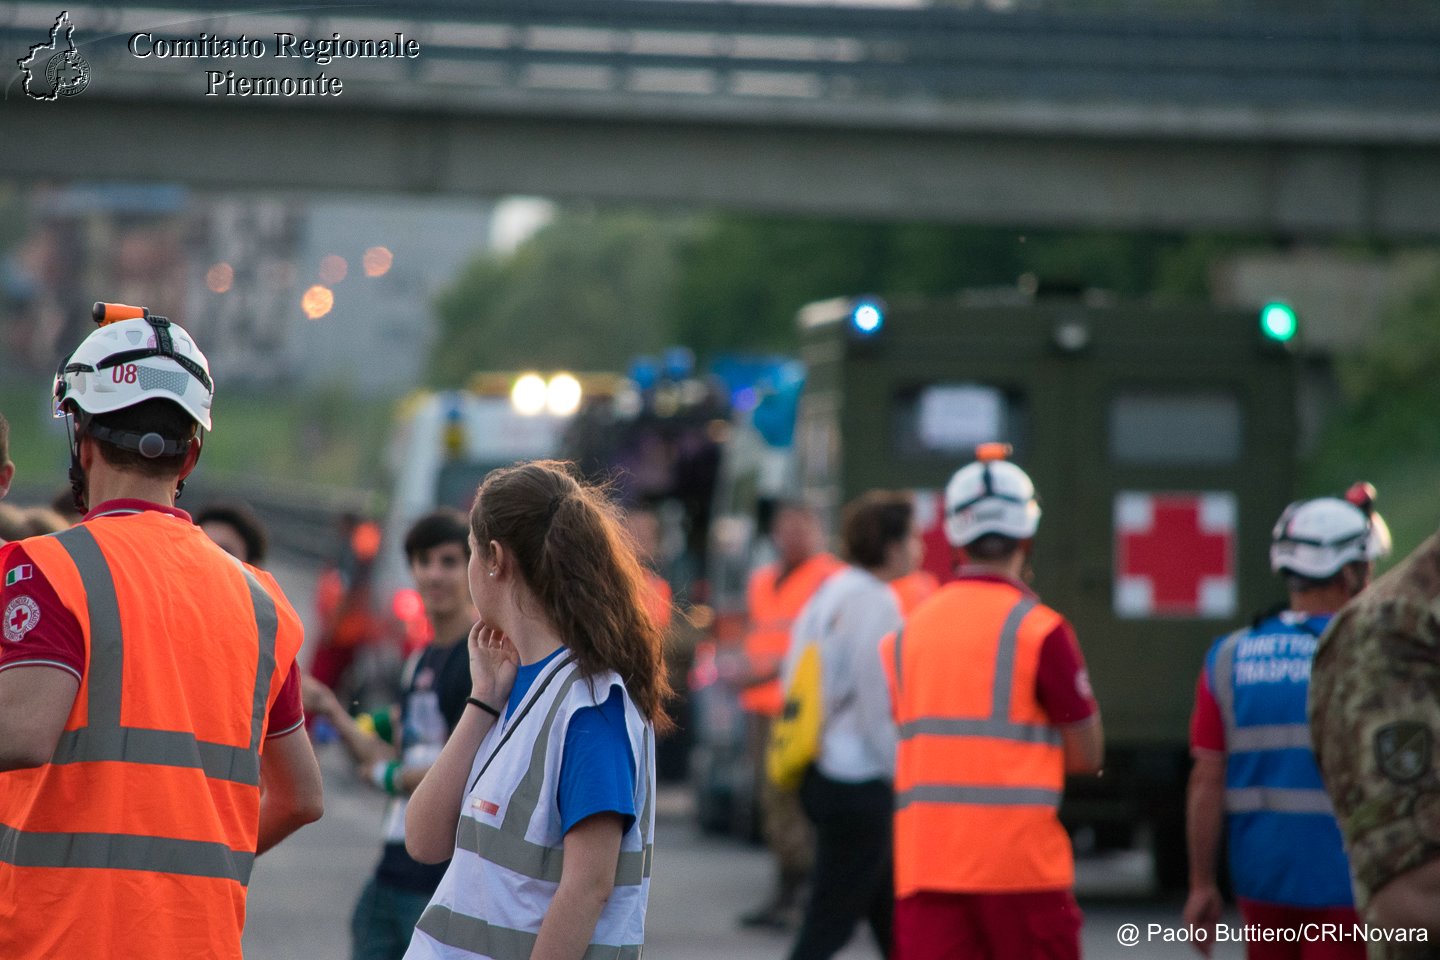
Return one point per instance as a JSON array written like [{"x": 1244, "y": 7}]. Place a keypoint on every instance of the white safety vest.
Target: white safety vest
[{"x": 509, "y": 848}]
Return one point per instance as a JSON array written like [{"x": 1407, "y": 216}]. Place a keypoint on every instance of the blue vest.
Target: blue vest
[{"x": 1285, "y": 845}]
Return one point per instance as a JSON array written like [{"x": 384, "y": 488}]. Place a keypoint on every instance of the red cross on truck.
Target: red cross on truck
[
  {"x": 1174, "y": 554},
  {"x": 1162, "y": 443}
]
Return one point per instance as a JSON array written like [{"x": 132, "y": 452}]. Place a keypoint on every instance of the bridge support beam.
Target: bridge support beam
[{"x": 1284, "y": 186}]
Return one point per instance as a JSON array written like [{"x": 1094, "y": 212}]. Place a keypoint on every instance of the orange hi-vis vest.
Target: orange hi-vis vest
[
  {"x": 913, "y": 588},
  {"x": 773, "y": 608},
  {"x": 979, "y": 770},
  {"x": 138, "y": 837}
]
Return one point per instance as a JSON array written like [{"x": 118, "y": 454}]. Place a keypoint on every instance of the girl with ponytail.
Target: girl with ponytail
[{"x": 543, "y": 798}]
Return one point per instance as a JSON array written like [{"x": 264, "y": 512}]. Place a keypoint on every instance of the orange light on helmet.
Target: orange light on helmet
[
  {"x": 1362, "y": 495},
  {"x": 108, "y": 313},
  {"x": 991, "y": 452}
]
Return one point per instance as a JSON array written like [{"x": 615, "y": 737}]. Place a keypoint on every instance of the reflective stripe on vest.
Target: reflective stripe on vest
[
  {"x": 121, "y": 851},
  {"x": 1284, "y": 843},
  {"x": 486, "y": 939},
  {"x": 983, "y": 796},
  {"x": 979, "y": 770},
  {"x": 1223, "y": 681},
  {"x": 1275, "y": 736},
  {"x": 508, "y": 848},
  {"x": 1277, "y": 800},
  {"x": 997, "y": 726},
  {"x": 104, "y": 738}
]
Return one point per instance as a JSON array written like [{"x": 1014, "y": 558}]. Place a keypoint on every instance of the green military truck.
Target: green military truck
[{"x": 1162, "y": 445}]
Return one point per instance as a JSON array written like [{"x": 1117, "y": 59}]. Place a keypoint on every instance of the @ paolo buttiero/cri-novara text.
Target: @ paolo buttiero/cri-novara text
[
  {"x": 1131, "y": 935},
  {"x": 230, "y": 82}
]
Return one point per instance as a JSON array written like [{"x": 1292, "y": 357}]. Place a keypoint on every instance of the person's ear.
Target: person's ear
[
  {"x": 192, "y": 456},
  {"x": 88, "y": 453},
  {"x": 7, "y": 473}
]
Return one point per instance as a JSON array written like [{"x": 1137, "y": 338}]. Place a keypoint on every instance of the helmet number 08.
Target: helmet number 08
[{"x": 124, "y": 373}]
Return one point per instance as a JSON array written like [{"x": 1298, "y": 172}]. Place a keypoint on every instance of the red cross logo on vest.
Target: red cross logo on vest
[
  {"x": 1174, "y": 555},
  {"x": 21, "y": 615}
]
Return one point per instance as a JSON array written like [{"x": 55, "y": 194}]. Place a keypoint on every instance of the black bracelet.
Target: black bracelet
[{"x": 484, "y": 706}]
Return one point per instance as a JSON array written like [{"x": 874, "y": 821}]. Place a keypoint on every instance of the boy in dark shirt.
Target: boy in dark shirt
[{"x": 436, "y": 682}]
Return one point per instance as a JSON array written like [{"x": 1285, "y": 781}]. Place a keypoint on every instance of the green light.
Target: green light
[{"x": 1278, "y": 321}]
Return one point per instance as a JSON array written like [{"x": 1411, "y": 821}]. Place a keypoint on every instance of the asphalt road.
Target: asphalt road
[{"x": 302, "y": 892}]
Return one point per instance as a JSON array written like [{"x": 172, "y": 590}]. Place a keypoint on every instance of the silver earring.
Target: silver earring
[{"x": 492, "y": 573}]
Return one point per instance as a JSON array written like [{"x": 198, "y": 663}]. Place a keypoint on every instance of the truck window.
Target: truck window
[
  {"x": 950, "y": 419},
  {"x": 1175, "y": 428}
]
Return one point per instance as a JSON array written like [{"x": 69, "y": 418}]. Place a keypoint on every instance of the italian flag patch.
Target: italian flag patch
[{"x": 22, "y": 572}]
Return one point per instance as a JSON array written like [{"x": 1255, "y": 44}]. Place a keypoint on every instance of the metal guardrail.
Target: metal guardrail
[
  {"x": 1262, "y": 52},
  {"x": 301, "y": 520}
]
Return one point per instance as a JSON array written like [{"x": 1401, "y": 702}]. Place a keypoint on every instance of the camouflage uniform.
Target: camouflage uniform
[{"x": 1375, "y": 721}]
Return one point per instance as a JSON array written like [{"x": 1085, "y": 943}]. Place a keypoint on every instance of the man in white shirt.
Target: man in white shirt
[{"x": 847, "y": 792}]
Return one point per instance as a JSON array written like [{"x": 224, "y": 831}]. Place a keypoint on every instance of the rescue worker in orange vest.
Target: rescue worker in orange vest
[
  {"x": 774, "y": 597},
  {"x": 643, "y": 526},
  {"x": 913, "y": 588},
  {"x": 151, "y": 734},
  {"x": 993, "y": 705}
]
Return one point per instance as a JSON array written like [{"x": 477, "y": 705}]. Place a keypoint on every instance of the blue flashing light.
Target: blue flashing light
[
  {"x": 644, "y": 372},
  {"x": 867, "y": 317},
  {"x": 1278, "y": 322},
  {"x": 678, "y": 363}
]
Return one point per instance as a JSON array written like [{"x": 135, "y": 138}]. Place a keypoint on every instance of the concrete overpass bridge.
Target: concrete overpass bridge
[{"x": 1306, "y": 119}]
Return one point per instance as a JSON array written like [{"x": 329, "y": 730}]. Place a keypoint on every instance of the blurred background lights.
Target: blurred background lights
[
  {"x": 1278, "y": 321},
  {"x": 528, "y": 395},
  {"x": 407, "y": 605},
  {"x": 867, "y": 317},
  {"x": 317, "y": 301},
  {"x": 562, "y": 397},
  {"x": 333, "y": 269},
  {"x": 220, "y": 277},
  {"x": 377, "y": 261}
]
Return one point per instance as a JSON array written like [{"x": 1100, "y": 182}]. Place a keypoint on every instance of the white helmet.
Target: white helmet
[
  {"x": 1315, "y": 538},
  {"x": 989, "y": 496},
  {"x": 132, "y": 358}
]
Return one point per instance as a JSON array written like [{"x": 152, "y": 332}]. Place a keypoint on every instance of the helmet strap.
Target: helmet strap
[{"x": 77, "y": 472}]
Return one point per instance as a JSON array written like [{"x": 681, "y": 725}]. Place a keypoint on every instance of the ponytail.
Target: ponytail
[{"x": 572, "y": 553}]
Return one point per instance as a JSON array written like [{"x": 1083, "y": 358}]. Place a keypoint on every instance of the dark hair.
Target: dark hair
[
  {"x": 572, "y": 552},
  {"x": 244, "y": 521},
  {"x": 992, "y": 548},
  {"x": 1299, "y": 583},
  {"x": 873, "y": 521},
  {"x": 4, "y": 440},
  {"x": 435, "y": 529},
  {"x": 165, "y": 417}
]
